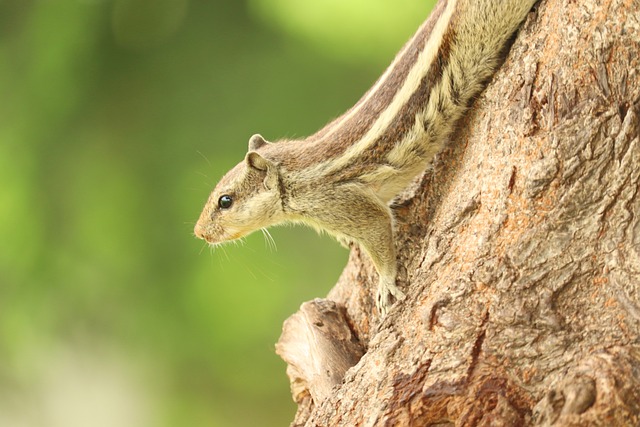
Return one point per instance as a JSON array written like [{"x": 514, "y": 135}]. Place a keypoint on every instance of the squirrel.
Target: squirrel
[{"x": 342, "y": 178}]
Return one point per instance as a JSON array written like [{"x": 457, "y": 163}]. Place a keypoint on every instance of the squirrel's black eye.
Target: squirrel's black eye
[{"x": 225, "y": 201}]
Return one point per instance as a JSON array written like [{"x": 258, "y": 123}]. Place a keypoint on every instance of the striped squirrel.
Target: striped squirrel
[{"x": 341, "y": 179}]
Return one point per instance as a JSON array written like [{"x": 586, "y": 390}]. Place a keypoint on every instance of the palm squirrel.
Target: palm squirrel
[{"x": 341, "y": 179}]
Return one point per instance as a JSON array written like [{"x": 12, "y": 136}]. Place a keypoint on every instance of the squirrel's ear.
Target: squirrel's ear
[
  {"x": 258, "y": 163},
  {"x": 256, "y": 141}
]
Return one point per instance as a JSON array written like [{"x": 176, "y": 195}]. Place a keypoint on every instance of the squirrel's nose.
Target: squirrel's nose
[{"x": 200, "y": 231}]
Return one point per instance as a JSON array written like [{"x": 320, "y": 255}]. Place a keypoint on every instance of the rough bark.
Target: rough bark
[{"x": 519, "y": 252}]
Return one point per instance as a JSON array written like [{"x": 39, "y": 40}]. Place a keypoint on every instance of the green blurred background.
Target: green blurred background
[{"x": 116, "y": 119}]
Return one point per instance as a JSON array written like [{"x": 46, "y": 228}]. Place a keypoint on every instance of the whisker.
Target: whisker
[
  {"x": 271, "y": 243},
  {"x": 266, "y": 240},
  {"x": 204, "y": 175},
  {"x": 204, "y": 245},
  {"x": 204, "y": 157},
  {"x": 249, "y": 269},
  {"x": 224, "y": 251}
]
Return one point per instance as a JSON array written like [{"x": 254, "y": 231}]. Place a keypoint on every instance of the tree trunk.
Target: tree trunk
[{"x": 519, "y": 252}]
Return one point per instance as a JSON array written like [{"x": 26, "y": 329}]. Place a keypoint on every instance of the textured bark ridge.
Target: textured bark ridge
[{"x": 519, "y": 251}]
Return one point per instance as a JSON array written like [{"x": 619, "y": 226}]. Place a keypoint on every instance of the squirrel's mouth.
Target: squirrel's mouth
[{"x": 214, "y": 236}]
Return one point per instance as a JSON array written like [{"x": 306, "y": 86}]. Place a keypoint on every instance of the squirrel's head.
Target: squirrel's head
[{"x": 246, "y": 199}]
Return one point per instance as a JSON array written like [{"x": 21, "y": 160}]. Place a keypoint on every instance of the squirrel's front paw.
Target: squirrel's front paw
[{"x": 387, "y": 291}]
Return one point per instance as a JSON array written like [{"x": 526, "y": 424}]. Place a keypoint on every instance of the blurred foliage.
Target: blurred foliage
[
  {"x": 355, "y": 31},
  {"x": 118, "y": 117}
]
